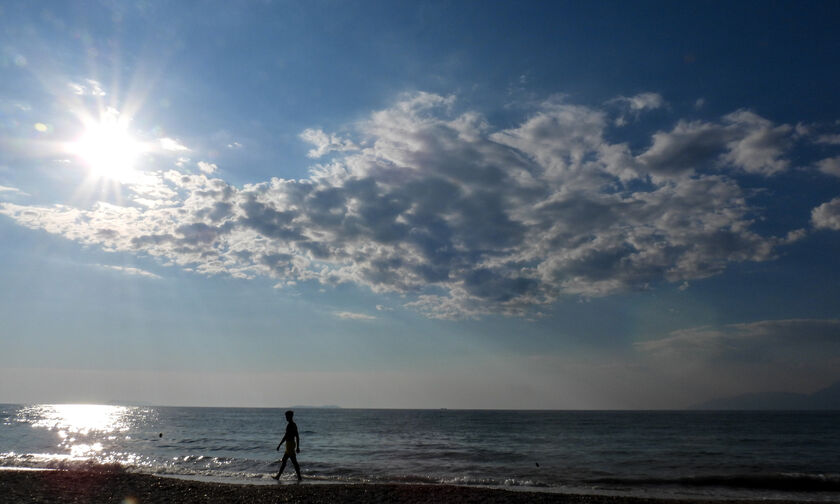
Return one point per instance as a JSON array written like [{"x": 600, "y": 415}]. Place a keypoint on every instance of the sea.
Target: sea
[{"x": 680, "y": 454}]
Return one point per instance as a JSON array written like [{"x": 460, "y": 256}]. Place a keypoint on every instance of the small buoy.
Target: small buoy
[
  {"x": 538, "y": 464},
  {"x": 160, "y": 435}
]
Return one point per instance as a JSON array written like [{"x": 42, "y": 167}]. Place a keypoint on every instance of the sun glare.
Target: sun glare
[
  {"x": 81, "y": 418},
  {"x": 107, "y": 148}
]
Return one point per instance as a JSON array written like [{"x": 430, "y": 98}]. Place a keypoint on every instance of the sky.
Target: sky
[{"x": 531, "y": 205}]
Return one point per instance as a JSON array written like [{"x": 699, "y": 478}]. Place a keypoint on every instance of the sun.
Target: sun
[{"x": 107, "y": 147}]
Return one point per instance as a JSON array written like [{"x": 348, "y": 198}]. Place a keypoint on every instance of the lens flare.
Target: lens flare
[{"x": 107, "y": 147}]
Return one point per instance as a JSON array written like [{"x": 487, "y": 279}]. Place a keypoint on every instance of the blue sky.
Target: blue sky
[{"x": 428, "y": 204}]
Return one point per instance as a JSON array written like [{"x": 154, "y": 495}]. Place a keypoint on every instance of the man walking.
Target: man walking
[{"x": 292, "y": 440}]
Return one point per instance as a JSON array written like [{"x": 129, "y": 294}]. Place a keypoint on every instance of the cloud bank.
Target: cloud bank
[{"x": 463, "y": 219}]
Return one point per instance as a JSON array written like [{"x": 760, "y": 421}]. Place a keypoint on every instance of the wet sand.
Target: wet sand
[{"x": 125, "y": 488}]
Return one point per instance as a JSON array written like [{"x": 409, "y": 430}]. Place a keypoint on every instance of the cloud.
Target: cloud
[
  {"x": 324, "y": 143},
  {"x": 206, "y": 167},
  {"x": 89, "y": 88},
  {"x": 354, "y": 316},
  {"x": 128, "y": 270},
  {"x": 171, "y": 144},
  {"x": 13, "y": 190},
  {"x": 829, "y": 139},
  {"x": 827, "y": 215},
  {"x": 640, "y": 102},
  {"x": 830, "y": 166},
  {"x": 743, "y": 140},
  {"x": 759, "y": 145},
  {"x": 462, "y": 219},
  {"x": 635, "y": 105}
]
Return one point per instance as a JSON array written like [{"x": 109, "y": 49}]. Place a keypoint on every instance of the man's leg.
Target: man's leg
[
  {"x": 283, "y": 465},
  {"x": 297, "y": 467}
]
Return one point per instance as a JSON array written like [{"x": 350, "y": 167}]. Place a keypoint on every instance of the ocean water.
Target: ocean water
[{"x": 767, "y": 455}]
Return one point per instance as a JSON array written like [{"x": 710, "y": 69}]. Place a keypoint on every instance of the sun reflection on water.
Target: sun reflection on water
[
  {"x": 80, "y": 427},
  {"x": 81, "y": 418}
]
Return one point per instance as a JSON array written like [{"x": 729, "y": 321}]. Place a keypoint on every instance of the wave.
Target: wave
[
  {"x": 49, "y": 462},
  {"x": 184, "y": 467}
]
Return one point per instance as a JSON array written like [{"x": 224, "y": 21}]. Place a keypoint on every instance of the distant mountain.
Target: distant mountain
[
  {"x": 825, "y": 399},
  {"x": 114, "y": 402},
  {"x": 309, "y": 406}
]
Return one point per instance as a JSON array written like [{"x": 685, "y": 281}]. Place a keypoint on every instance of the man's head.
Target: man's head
[{"x": 289, "y": 415}]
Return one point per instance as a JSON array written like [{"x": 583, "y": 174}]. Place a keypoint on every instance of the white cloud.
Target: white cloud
[
  {"x": 635, "y": 105},
  {"x": 171, "y": 144},
  {"x": 354, "y": 316},
  {"x": 462, "y": 219},
  {"x": 759, "y": 145},
  {"x": 688, "y": 146},
  {"x": 829, "y": 139},
  {"x": 206, "y": 167},
  {"x": 128, "y": 270},
  {"x": 801, "y": 130},
  {"x": 830, "y": 166},
  {"x": 641, "y": 101},
  {"x": 90, "y": 87},
  {"x": 827, "y": 215},
  {"x": 13, "y": 190},
  {"x": 743, "y": 140},
  {"x": 324, "y": 143}
]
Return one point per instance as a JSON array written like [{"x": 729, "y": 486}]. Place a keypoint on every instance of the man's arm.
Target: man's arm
[
  {"x": 281, "y": 443},
  {"x": 297, "y": 440}
]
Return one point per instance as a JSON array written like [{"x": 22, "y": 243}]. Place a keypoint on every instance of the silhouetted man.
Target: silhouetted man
[{"x": 292, "y": 440}]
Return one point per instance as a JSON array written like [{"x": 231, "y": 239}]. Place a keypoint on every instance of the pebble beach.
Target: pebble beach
[{"x": 83, "y": 487}]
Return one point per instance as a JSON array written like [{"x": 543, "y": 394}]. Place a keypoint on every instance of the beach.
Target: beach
[{"x": 84, "y": 487}]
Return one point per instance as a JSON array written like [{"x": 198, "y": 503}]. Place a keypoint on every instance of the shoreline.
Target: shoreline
[{"x": 77, "y": 486}]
